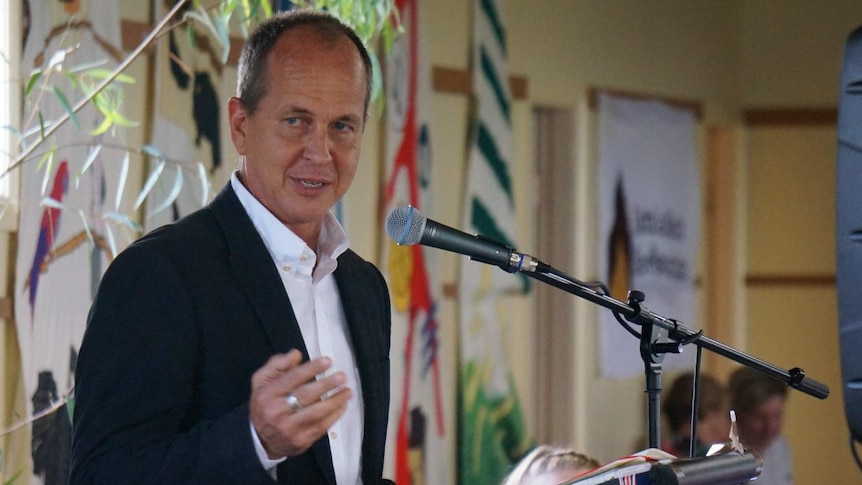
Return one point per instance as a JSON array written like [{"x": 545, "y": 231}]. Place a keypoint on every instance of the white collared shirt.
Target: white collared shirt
[
  {"x": 308, "y": 280},
  {"x": 777, "y": 463}
]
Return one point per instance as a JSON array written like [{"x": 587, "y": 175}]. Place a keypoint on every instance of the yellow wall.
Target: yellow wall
[
  {"x": 728, "y": 55},
  {"x": 793, "y": 321}
]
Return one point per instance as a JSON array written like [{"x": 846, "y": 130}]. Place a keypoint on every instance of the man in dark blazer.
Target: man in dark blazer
[{"x": 205, "y": 356}]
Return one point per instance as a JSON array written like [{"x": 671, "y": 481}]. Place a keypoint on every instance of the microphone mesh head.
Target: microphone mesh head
[{"x": 404, "y": 225}]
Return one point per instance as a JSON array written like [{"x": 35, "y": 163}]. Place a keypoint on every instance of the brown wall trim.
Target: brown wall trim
[
  {"x": 790, "y": 280},
  {"x": 6, "y": 312},
  {"x": 133, "y": 33},
  {"x": 790, "y": 116},
  {"x": 450, "y": 290},
  {"x": 593, "y": 99},
  {"x": 459, "y": 81}
]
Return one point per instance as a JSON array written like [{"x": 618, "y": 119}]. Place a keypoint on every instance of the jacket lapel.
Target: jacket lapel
[{"x": 257, "y": 274}]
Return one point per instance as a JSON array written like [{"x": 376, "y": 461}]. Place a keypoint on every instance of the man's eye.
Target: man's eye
[
  {"x": 342, "y": 126},
  {"x": 292, "y": 121}
]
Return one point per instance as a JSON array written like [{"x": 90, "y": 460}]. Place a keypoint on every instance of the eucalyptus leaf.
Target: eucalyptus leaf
[
  {"x": 223, "y": 37},
  {"x": 53, "y": 203},
  {"x": 205, "y": 184},
  {"x": 48, "y": 169},
  {"x": 87, "y": 229},
  {"x": 44, "y": 158},
  {"x": 72, "y": 77},
  {"x": 66, "y": 106},
  {"x": 91, "y": 157},
  {"x": 124, "y": 220},
  {"x": 86, "y": 66},
  {"x": 33, "y": 130},
  {"x": 150, "y": 183},
  {"x": 267, "y": 8},
  {"x": 376, "y": 77},
  {"x": 41, "y": 126},
  {"x": 102, "y": 102},
  {"x": 103, "y": 127},
  {"x": 87, "y": 89},
  {"x": 123, "y": 121},
  {"x": 112, "y": 243},
  {"x": 34, "y": 78},
  {"x": 99, "y": 73},
  {"x": 172, "y": 195},
  {"x": 13, "y": 130},
  {"x": 190, "y": 30},
  {"x": 121, "y": 182},
  {"x": 203, "y": 17},
  {"x": 227, "y": 9},
  {"x": 70, "y": 406},
  {"x": 152, "y": 151}
]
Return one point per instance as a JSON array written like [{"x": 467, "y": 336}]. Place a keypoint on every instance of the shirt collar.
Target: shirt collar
[{"x": 285, "y": 247}]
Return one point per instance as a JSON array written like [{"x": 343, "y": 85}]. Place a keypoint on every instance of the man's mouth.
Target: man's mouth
[{"x": 310, "y": 185}]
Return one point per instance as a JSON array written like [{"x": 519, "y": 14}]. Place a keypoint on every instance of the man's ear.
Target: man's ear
[{"x": 237, "y": 116}]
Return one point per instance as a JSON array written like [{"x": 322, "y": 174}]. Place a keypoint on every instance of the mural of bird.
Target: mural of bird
[
  {"x": 206, "y": 111},
  {"x": 48, "y": 230}
]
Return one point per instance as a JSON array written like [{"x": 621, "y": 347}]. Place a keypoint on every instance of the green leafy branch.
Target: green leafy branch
[
  {"x": 96, "y": 90},
  {"x": 99, "y": 85},
  {"x": 370, "y": 19},
  {"x": 161, "y": 165},
  {"x": 103, "y": 89}
]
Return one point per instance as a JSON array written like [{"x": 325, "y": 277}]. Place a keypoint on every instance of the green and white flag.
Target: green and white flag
[{"x": 491, "y": 434}]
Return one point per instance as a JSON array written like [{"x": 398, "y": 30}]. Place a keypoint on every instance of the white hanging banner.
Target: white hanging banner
[{"x": 649, "y": 221}]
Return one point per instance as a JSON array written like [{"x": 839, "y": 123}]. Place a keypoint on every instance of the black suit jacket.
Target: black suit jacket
[{"x": 181, "y": 321}]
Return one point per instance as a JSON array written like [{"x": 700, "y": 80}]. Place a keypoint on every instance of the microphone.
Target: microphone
[
  {"x": 407, "y": 226},
  {"x": 726, "y": 468}
]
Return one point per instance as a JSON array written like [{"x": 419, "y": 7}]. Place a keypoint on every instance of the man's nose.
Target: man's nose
[{"x": 317, "y": 145}]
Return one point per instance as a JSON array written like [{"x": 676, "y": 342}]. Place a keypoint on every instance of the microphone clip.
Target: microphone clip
[
  {"x": 517, "y": 262},
  {"x": 505, "y": 267}
]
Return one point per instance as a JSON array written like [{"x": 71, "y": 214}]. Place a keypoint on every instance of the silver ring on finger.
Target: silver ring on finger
[{"x": 293, "y": 402}]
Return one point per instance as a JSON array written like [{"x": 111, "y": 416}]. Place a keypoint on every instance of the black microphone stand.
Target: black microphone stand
[{"x": 660, "y": 335}]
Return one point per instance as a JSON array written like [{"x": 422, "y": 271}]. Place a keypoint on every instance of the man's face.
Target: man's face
[
  {"x": 714, "y": 427},
  {"x": 763, "y": 425},
  {"x": 301, "y": 144}
]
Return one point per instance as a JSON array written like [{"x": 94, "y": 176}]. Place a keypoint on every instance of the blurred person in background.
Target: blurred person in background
[
  {"x": 759, "y": 404},
  {"x": 713, "y": 415},
  {"x": 549, "y": 465}
]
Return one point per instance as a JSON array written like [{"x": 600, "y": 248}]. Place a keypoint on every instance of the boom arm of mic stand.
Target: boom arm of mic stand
[{"x": 794, "y": 378}]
